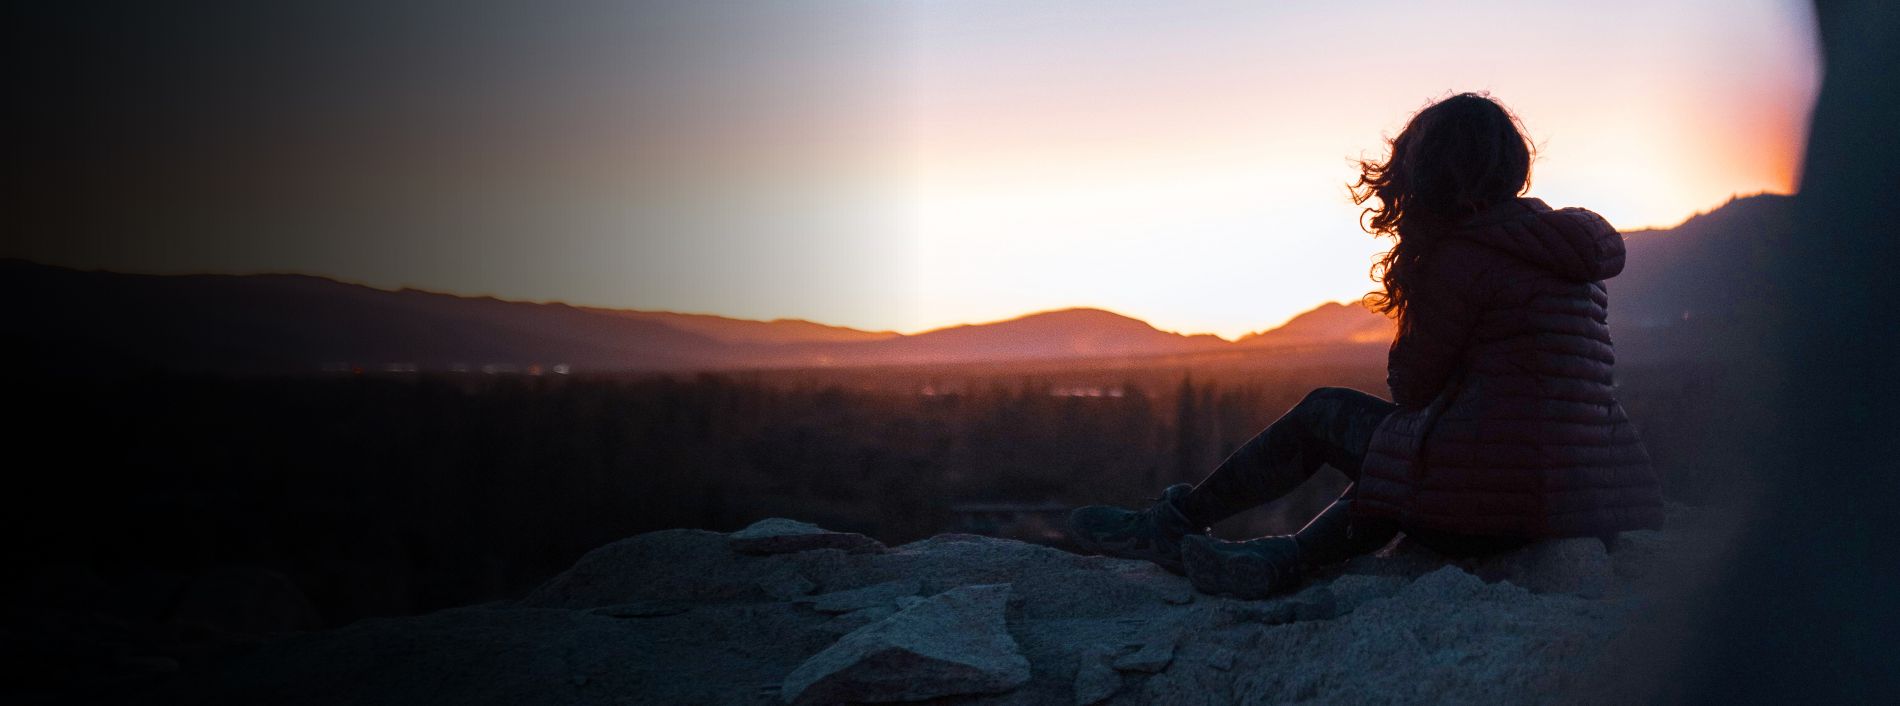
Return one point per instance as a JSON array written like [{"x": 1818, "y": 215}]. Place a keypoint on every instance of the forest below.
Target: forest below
[{"x": 395, "y": 494}]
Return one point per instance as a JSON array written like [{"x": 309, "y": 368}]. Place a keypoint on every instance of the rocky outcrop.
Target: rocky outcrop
[
  {"x": 1579, "y": 566},
  {"x": 883, "y": 595},
  {"x": 949, "y": 644},
  {"x": 778, "y": 535},
  {"x": 686, "y": 616}
]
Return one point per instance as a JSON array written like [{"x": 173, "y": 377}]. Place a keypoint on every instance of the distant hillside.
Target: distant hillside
[
  {"x": 1066, "y": 333},
  {"x": 1330, "y": 323},
  {"x": 729, "y": 330},
  {"x": 1702, "y": 289},
  {"x": 59, "y": 318},
  {"x": 1696, "y": 291}
]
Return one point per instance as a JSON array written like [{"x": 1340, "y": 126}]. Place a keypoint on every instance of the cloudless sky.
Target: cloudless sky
[{"x": 884, "y": 165}]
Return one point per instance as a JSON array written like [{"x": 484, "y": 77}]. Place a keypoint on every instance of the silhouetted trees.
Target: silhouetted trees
[{"x": 390, "y": 495}]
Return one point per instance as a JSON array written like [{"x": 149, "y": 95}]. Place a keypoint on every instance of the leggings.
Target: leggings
[{"x": 1332, "y": 426}]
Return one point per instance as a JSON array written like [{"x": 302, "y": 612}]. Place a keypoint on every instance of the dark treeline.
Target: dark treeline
[{"x": 392, "y": 495}]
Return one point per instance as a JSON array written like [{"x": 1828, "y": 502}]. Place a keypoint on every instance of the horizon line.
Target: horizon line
[
  {"x": 797, "y": 320},
  {"x": 555, "y": 302}
]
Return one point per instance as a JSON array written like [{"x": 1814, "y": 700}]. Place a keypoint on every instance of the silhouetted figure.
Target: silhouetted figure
[{"x": 1504, "y": 426}]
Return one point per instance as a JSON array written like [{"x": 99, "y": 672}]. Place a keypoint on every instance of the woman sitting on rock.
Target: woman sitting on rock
[{"x": 1506, "y": 427}]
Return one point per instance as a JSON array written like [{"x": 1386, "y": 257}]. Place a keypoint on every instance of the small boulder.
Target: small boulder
[
  {"x": 952, "y": 643},
  {"x": 777, "y": 535},
  {"x": 1447, "y": 584}
]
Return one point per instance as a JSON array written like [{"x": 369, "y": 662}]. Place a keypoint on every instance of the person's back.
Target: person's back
[{"x": 1524, "y": 435}]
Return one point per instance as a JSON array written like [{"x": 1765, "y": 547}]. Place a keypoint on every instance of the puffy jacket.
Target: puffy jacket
[{"x": 1508, "y": 422}]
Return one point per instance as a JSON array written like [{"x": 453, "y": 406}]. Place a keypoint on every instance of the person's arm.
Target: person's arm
[{"x": 1440, "y": 316}]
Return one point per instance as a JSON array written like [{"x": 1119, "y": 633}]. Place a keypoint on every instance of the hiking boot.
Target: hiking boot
[
  {"x": 1252, "y": 569},
  {"x": 1153, "y": 534}
]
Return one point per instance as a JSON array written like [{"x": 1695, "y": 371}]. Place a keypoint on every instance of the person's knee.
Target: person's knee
[
  {"x": 1328, "y": 395},
  {"x": 1324, "y": 409},
  {"x": 1316, "y": 407}
]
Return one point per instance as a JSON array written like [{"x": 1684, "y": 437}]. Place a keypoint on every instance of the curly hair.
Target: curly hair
[{"x": 1453, "y": 159}]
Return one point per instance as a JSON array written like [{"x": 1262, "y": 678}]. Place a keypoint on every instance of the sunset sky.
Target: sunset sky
[{"x": 884, "y": 165}]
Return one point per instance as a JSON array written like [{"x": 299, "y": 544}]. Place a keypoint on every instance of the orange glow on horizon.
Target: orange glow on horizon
[
  {"x": 1200, "y": 185},
  {"x": 910, "y": 165}
]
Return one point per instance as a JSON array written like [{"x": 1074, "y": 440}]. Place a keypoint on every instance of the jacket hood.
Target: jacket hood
[{"x": 1573, "y": 243}]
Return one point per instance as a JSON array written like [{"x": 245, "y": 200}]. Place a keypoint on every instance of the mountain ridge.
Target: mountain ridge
[
  {"x": 192, "y": 319},
  {"x": 1696, "y": 290}
]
